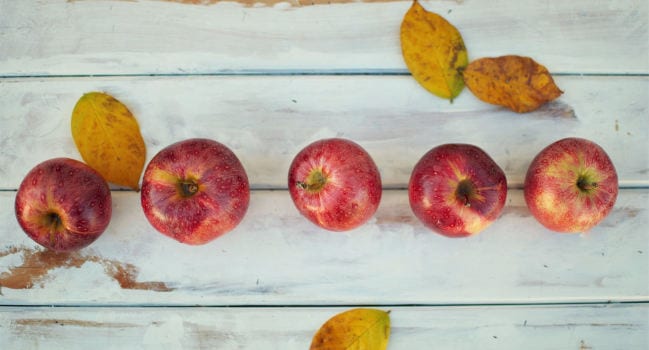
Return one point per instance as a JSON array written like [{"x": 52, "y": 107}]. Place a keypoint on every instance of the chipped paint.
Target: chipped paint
[
  {"x": 38, "y": 263},
  {"x": 40, "y": 322},
  {"x": 271, "y": 3},
  {"x": 294, "y": 3}
]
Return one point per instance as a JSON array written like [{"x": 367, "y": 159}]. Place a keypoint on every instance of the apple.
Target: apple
[
  {"x": 457, "y": 190},
  {"x": 571, "y": 185},
  {"x": 195, "y": 191},
  {"x": 335, "y": 184},
  {"x": 63, "y": 204}
]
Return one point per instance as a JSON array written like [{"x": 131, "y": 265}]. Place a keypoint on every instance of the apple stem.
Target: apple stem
[
  {"x": 586, "y": 185},
  {"x": 55, "y": 224},
  {"x": 465, "y": 191},
  {"x": 188, "y": 188},
  {"x": 54, "y": 219},
  {"x": 314, "y": 182}
]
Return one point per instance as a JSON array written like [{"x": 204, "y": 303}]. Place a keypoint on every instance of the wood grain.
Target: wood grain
[
  {"x": 492, "y": 327},
  {"x": 267, "y": 120},
  {"x": 276, "y": 257},
  {"x": 267, "y": 77},
  {"x": 61, "y": 37}
]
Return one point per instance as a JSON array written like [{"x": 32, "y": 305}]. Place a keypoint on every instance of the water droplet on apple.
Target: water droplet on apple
[{"x": 82, "y": 225}]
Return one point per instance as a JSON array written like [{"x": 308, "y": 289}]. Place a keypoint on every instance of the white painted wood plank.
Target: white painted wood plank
[
  {"x": 62, "y": 37},
  {"x": 500, "y": 327},
  {"x": 276, "y": 257},
  {"x": 267, "y": 120}
]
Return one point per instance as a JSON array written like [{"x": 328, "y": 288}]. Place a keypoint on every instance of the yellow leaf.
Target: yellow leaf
[
  {"x": 108, "y": 138},
  {"x": 434, "y": 51},
  {"x": 358, "y": 329},
  {"x": 516, "y": 82}
]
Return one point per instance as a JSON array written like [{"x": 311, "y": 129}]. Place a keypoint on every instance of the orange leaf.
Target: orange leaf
[
  {"x": 361, "y": 329},
  {"x": 434, "y": 51},
  {"x": 108, "y": 138},
  {"x": 516, "y": 82}
]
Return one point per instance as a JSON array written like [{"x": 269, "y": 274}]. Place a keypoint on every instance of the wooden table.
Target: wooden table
[{"x": 267, "y": 78}]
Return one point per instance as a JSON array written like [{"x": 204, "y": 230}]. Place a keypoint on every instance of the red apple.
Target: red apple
[
  {"x": 63, "y": 204},
  {"x": 571, "y": 185},
  {"x": 194, "y": 191},
  {"x": 335, "y": 184},
  {"x": 457, "y": 190}
]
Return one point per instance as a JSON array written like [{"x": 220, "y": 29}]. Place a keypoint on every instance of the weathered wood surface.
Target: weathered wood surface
[
  {"x": 268, "y": 77},
  {"x": 276, "y": 257},
  {"x": 67, "y": 37},
  {"x": 267, "y": 120},
  {"x": 496, "y": 327}
]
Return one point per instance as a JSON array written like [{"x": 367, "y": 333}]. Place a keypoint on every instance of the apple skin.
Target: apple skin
[
  {"x": 571, "y": 185},
  {"x": 195, "y": 191},
  {"x": 335, "y": 184},
  {"x": 63, "y": 204},
  {"x": 457, "y": 190}
]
